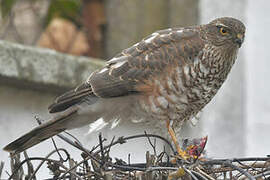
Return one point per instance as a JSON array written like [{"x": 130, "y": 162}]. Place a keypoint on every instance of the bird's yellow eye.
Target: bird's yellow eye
[{"x": 223, "y": 31}]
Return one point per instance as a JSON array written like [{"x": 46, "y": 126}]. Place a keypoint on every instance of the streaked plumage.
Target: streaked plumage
[{"x": 171, "y": 74}]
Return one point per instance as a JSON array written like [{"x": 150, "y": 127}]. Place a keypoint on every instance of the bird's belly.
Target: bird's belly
[
  {"x": 179, "y": 106},
  {"x": 165, "y": 108}
]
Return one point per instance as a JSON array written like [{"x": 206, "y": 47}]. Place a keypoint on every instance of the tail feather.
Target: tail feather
[{"x": 39, "y": 134}]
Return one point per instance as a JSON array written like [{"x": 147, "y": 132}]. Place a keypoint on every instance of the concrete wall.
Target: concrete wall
[{"x": 257, "y": 75}]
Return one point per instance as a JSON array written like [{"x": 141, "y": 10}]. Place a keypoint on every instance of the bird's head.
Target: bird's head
[{"x": 225, "y": 31}]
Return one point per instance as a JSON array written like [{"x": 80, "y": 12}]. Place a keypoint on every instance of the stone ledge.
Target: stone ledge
[{"x": 38, "y": 68}]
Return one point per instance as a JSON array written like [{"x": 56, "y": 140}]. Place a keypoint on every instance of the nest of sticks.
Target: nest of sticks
[{"x": 98, "y": 164}]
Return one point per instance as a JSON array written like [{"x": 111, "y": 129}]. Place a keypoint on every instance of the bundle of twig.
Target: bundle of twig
[{"x": 97, "y": 164}]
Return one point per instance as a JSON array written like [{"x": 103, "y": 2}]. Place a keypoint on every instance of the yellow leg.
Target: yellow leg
[{"x": 180, "y": 152}]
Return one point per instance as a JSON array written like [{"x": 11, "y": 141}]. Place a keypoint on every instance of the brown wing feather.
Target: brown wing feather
[
  {"x": 136, "y": 66},
  {"x": 71, "y": 97},
  {"x": 142, "y": 62}
]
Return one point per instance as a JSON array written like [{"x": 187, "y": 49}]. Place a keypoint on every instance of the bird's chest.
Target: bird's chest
[{"x": 182, "y": 93}]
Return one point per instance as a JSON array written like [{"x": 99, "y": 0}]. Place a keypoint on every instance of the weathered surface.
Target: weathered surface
[
  {"x": 130, "y": 21},
  {"x": 42, "y": 68},
  {"x": 183, "y": 13},
  {"x": 25, "y": 22}
]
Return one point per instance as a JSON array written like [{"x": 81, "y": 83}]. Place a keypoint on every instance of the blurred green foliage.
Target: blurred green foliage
[
  {"x": 68, "y": 9},
  {"x": 6, "y": 6}
]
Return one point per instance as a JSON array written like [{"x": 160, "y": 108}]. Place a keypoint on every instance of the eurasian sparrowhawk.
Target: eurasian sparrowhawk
[{"x": 168, "y": 76}]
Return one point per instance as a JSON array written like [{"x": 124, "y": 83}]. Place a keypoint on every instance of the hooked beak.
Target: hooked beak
[{"x": 239, "y": 39}]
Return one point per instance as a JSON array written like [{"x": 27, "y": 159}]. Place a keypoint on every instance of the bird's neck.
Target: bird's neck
[{"x": 219, "y": 60}]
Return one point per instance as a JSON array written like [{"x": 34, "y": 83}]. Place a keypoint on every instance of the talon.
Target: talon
[
  {"x": 182, "y": 154},
  {"x": 193, "y": 151}
]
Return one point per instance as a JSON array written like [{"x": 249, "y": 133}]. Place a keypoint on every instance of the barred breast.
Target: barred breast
[{"x": 186, "y": 85}]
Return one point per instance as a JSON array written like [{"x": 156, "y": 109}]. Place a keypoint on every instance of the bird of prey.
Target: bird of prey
[{"x": 169, "y": 76}]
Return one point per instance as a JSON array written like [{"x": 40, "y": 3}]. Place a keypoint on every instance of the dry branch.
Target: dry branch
[{"x": 97, "y": 164}]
